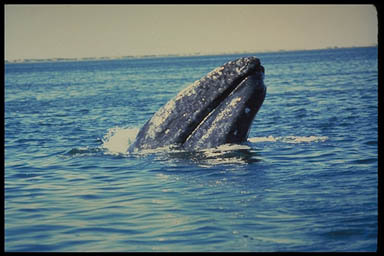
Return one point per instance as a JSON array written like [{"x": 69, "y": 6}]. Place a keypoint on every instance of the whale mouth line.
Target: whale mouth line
[{"x": 257, "y": 70}]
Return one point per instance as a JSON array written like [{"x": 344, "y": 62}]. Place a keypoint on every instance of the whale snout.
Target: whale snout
[{"x": 217, "y": 109}]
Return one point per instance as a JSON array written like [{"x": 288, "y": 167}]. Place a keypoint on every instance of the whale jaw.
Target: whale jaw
[{"x": 217, "y": 109}]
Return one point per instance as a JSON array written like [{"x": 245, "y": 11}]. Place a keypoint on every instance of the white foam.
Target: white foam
[
  {"x": 301, "y": 139},
  {"x": 289, "y": 139},
  {"x": 118, "y": 139},
  {"x": 225, "y": 148},
  {"x": 262, "y": 139}
]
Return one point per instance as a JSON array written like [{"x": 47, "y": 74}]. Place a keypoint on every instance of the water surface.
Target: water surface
[{"x": 305, "y": 181}]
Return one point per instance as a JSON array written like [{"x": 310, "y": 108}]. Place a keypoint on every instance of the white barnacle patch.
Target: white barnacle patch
[
  {"x": 160, "y": 117},
  {"x": 217, "y": 123},
  {"x": 234, "y": 102},
  {"x": 219, "y": 70},
  {"x": 240, "y": 69},
  {"x": 216, "y": 73},
  {"x": 188, "y": 91},
  {"x": 208, "y": 132},
  {"x": 229, "y": 109}
]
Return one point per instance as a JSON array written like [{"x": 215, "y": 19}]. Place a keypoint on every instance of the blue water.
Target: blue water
[{"x": 306, "y": 180}]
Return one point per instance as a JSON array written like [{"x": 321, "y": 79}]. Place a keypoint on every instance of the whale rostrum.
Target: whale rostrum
[{"x": 217, "y": 109}]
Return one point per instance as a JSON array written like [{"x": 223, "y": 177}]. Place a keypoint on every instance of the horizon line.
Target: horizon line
[{"x": 139, "y": 56}]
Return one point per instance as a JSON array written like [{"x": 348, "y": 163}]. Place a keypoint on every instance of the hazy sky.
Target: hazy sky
[{"x": 46, "y": 31}]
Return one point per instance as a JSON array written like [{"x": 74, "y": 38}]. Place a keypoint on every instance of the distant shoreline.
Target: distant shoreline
[{"x": 165, "y": 55}]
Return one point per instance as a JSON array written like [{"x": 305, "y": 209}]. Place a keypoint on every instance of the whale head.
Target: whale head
[{"x": 217, "y": 109}]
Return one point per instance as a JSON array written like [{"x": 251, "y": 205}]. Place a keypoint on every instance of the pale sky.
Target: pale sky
[{"x": 71, "y": 31}]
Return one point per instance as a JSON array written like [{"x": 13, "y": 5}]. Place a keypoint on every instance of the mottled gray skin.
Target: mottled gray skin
[{"x": 217, "y": 109}]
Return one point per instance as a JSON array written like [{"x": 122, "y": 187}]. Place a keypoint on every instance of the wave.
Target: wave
[{"x": 83, "y": 151}]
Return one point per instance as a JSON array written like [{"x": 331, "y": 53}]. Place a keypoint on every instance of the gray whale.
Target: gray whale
[{"x": 217, "y": 109}]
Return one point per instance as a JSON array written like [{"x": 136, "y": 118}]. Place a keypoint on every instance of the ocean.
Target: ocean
[{"x": 306, "y": 179}]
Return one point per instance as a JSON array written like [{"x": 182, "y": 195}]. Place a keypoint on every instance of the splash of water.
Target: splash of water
[{"x": 118, "y": 139}]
